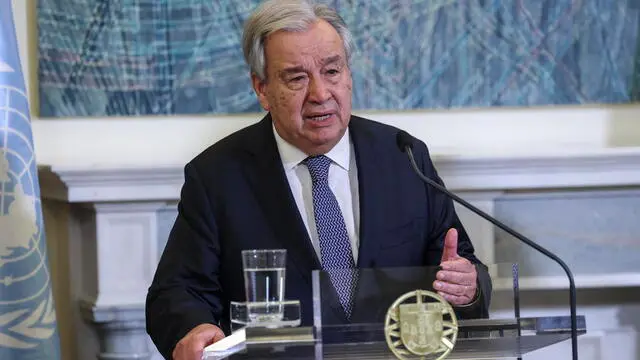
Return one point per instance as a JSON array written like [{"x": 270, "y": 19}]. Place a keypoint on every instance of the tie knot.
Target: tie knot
[{"x": 318, "y": 167}]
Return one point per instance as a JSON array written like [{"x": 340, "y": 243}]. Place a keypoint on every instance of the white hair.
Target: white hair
[{"x": 287, "y": 15}]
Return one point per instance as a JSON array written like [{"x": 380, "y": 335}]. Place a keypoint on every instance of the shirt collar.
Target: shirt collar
[{"x": 292, "y": 156}]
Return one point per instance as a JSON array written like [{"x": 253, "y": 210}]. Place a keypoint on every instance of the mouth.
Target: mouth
[{"x": 318, "y": 117}]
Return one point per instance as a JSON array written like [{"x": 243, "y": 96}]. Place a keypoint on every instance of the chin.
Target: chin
[{"x": 326, "y": 137}]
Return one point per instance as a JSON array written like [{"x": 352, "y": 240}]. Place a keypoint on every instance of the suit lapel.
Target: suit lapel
[
  {"x": 271, "y": 186},
  {"x": 372, "y": 186}
]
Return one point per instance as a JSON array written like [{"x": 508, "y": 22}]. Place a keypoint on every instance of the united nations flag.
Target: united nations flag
[{"x": 27, "y": 315}]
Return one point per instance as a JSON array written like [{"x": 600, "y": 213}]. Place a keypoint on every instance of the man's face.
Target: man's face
[{"x": 308, "y": 87}]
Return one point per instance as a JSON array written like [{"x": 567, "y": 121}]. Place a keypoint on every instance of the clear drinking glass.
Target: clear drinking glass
[{"x": 264, "y": 279}]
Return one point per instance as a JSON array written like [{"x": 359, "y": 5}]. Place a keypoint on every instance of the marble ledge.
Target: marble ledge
[
  {"x": 614, "y": 167},
  {"x": 561, "y": 282},
  {"x": 122, "y": 314}
]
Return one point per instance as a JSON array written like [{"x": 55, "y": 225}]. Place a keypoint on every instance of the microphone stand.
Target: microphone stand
[{"x": 572, "y": 286}]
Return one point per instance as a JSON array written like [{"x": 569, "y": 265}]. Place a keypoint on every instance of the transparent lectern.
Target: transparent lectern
[{"x": 396, "y": 314}]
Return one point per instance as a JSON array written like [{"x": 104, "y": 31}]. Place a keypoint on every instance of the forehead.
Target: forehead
[{"x": 319, "y": 41}]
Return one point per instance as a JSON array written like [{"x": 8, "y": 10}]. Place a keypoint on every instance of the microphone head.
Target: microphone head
[{"x": 404, "y": 140}]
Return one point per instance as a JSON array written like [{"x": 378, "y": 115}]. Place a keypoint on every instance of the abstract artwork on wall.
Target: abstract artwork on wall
[{"x": 154, "y": 57}]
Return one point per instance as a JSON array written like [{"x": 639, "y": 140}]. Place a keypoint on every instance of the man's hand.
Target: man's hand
[
  {"x": 456, "y": 282},
  {"x": 190, "y": 347}
]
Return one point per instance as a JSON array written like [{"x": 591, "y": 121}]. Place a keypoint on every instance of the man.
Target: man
[{"x": 254, "y": 190}]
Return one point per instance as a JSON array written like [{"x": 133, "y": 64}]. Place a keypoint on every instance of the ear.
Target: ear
[{"x": 259, "y": 86}]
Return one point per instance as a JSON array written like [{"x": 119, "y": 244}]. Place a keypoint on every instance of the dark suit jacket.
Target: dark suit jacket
[{"x": 236, "y": 196}]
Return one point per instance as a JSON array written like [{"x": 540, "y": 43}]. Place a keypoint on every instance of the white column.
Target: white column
[
  {"x": 115, "y": 287},
  {"x": 126, "y": 251},
  {"x": 112, "y": 244}
]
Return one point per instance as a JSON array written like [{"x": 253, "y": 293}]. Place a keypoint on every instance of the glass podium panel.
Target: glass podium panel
[
  {"x": 379, "y": 297},
  {"x": 376, "y": 290}
]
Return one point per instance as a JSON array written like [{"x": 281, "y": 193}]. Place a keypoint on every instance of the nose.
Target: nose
[{"x": 318, "y": 91}]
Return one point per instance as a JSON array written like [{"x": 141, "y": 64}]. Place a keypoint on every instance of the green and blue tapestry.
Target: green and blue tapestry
[{"x": 155, "y": 57}]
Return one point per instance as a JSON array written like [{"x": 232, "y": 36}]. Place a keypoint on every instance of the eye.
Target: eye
[{"x": 333, "y": 71}]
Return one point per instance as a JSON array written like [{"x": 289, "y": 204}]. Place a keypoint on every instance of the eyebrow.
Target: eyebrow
[
  {"x": 331, "y": 59},
  {"x": 299, "y": 68},
  {"x": 292, "y": 70}
]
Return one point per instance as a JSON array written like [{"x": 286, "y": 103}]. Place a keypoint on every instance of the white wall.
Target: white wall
[{"x": 174, "y": 140}]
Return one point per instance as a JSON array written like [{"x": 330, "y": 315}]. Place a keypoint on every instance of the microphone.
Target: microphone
[{"x": 405, "y": 143}]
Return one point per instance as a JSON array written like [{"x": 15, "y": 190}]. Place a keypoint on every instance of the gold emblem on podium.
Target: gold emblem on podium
[{"x": 421, "y": 325}]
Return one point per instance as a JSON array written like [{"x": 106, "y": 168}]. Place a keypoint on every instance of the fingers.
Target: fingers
[
  {"x": 455, "y": 294},
  {"x": 457, "y": 281},
  {"x": 454, "y": 289},
  {"x": 190, "y": 347},
  {"x": 454, "y": 277},
  {"x": 461, "y": 264},
  {"x": 209, "y": 335},
  {"x": 450, "y": 248},
  {"x": 219, "y": 335},
  {"x": 456, "y": 300}
]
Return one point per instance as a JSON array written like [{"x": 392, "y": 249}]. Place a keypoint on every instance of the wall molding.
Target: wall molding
[
  {"x": 603, "y": 168},
  {"x": 106, "y": 184}
]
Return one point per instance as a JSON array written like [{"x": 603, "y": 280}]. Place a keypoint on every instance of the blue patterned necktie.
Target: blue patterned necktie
[{"x": 335, "y": 246}]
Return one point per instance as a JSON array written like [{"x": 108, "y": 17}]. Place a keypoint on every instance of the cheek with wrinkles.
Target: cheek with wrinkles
[{"x": 282, "y": 98}]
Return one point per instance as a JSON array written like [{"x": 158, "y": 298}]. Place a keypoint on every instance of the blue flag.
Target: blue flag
[{"x": 28, "y": 328}]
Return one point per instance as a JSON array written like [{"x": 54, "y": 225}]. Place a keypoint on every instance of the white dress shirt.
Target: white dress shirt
[{"x": 343, "y": 181}]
